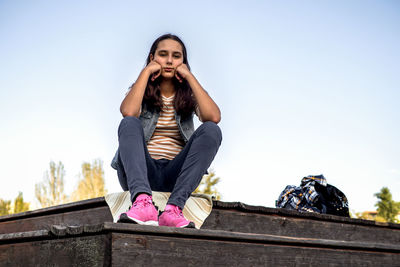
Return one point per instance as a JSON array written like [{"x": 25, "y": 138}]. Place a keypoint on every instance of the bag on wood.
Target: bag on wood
[
  {"x": 314, "y": 195},
  {"x": 332, "y": 200}
]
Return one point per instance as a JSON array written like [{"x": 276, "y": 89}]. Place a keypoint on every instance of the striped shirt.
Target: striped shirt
[{"x": 166, "y": 141}]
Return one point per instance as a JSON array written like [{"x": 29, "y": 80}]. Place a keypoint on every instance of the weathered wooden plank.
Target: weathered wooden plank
[
  {"x": 75, "y": 229},
  {"x": 74, "y": 251},
  {"x": 95, "y": 228},
  {"x": 56, "y": 231},
  {"x": 146, "y": 250},
  {"x": 94, "y": 215},
  {"x": 233, "y": 216},
  {"x": 75, "y": 234},
  {"x": 218, "y": 205},
  {"x": 136, "y": 245},
  {"x": 61, "y": 230},
  {"x": 78, "y": 205},
  {"x": 23, "y": 235},
  {"x": 65, "y": 231},
  {"x": 238, "y": 206},
  {"x": 233, "y": 220},
  {"x": 251, "y": 238}
]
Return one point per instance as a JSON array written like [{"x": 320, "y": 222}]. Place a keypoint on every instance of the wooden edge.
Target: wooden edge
[
  {"x": 24, "y": 235},
  {"x": 78, "y": 205},
  {"x": 239, "y": 206},
  {"x": 65, "y": 230},
  {"x": 248, "y": 237},
  {"x": 292, "y": 213},
  {"x": 55, "y": 231},
  {"x": 58, "y": 231}
]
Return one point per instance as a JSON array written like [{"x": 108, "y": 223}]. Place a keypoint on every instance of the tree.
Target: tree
[
  {"x": 51, "y": 191},
  {"x": 5, "y": 207},
  {"x": 208, "y": 185},
  {"x": 19, "y": 204},
  {"x": 387, "y": 207},
  {"x": 91, "y": 182}
]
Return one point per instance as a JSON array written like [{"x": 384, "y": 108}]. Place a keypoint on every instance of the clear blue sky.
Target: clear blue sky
[{"x": 305, "y": 87}]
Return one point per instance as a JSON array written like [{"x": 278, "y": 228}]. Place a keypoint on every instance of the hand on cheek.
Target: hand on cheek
[
  {"x": 178, "y": 77},
  {"x": 155, "y": 76},
  {"x": 155, "y": 69},
  {"x": 182, "y": 71}
]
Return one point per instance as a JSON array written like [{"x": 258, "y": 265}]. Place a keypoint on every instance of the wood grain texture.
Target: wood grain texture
[
  {"x": 75, "y": 251},
  {"x": 233, "y": 220},
  {"x": 218, "y": 235},
  {"x": 120, "y": 244},
  {"x": 14, "y": 237},
  {"x": 38, "y": 221},
  {"x": 144, "y": 250},
  {"x": 78, "y": 205}
]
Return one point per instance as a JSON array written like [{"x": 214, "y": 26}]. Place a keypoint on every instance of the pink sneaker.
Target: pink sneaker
[
  {"x": 172, "y": 216},
  {"x": 141, "y": 212}
]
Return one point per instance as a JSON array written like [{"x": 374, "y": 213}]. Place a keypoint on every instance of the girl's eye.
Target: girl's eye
[{"x": 165, "y": 54}]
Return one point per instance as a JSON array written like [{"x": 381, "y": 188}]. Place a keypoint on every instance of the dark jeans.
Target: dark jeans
[{"x": 180, "y": 176}]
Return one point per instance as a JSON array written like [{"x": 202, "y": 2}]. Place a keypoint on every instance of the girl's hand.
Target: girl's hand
[
  {"x": 182, "y": 72},
  {"x": 154, "y": 68}
]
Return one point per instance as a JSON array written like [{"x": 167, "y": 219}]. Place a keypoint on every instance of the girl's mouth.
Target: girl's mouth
[{"x": 168, "y": 69}]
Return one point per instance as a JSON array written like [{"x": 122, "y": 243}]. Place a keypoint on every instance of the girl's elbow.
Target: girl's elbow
[
  {"x": 126, "y": 113},
  {"x": 216, "y": 119}
]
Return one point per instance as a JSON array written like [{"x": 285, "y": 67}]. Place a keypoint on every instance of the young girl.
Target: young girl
[{"x": 159, "y": 150}]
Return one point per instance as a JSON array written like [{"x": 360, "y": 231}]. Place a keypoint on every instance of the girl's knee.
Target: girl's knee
[
  {"x": 130, "y": 123},
  {"x": 130, "y": 120},
  {"x": 212, "y": 129}
]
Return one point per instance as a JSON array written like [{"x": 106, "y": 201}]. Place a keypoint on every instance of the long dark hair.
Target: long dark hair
[{"x": 184, "y": 102}]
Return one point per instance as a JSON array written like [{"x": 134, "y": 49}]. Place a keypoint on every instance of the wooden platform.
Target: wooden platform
[{"x": 235, "y": 234}]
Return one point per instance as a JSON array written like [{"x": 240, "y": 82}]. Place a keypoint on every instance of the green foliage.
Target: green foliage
[
  {"x": 19, "y": 204},
  {"x": 388, "y": 209},
  {"x": 208, "y": 185},
  {"x": 51, "y": 191},
  {"x": 91, "y": 183},
  {"x": 5, "y": 207}
]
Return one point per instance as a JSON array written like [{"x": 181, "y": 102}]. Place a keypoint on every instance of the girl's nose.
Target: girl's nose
[{"x": 169, "y": 59}]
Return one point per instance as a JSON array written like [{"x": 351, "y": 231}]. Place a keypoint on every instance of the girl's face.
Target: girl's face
[{"x": 169, "y": 55}]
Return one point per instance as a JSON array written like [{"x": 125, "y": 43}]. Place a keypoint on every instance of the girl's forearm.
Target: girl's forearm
[
  {"x": 131, "y": 105},
  {"x": 208, "y": 109}
]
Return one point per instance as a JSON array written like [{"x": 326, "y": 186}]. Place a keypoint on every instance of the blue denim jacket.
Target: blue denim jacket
[{"x": 149, "y": 121}]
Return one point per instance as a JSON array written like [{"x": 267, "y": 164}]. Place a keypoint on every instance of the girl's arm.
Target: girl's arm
[
  {"x": 208, "y": 109},
  {"x": 131, "y": 105}
]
